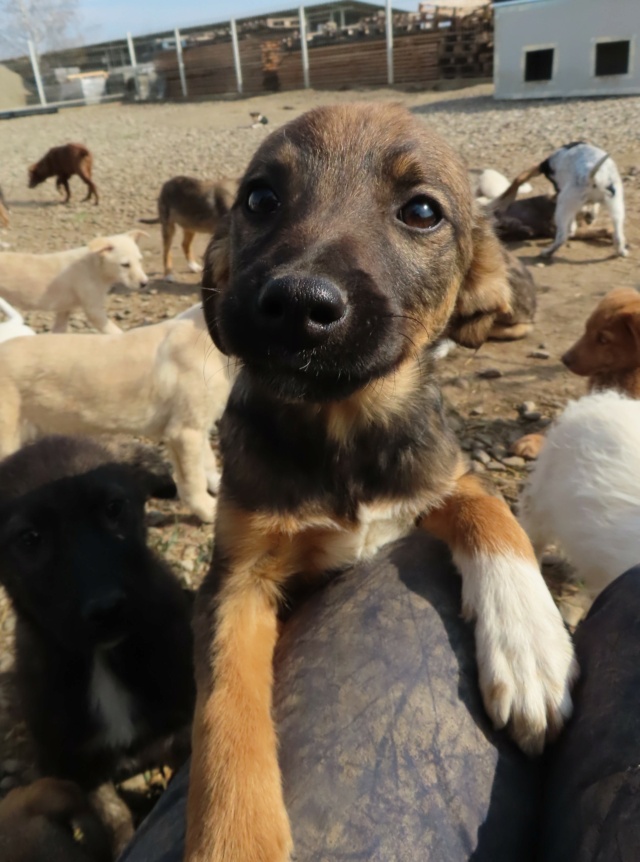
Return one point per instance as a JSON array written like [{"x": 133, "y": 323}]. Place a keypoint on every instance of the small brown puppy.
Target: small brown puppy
[
  {"x": 196, "y": 206},
  {"x": 62, "y": 163},
  {"x": 352, "y": 246},
  {"x": 51, "y": 821},
  {"x": 608, "y": 353}
]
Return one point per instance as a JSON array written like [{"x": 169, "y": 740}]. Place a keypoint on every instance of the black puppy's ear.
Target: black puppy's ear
[
  {"x": 150, "y": 471},
  {"x": 215, "y": 277},
  {"x": 484, "y": 294}
]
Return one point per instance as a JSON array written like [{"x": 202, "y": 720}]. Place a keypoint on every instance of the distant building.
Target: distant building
[{"x": 556, "y": 48}]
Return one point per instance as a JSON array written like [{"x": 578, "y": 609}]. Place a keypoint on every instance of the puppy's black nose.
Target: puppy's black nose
[
  {"x": 568, "y": 359},
  {"x": 105, "y": 613},
  {"x": 300, "y": 312}
]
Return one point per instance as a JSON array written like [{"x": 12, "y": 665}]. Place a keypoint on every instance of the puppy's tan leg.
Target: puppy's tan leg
[
  {"x": 186, "y": 448},
  {"x": 235, "y": 810},
  {"x": 187, "y": 242},
  {"x": 510, "y": 333},
  {"x": 168, "y": 233},
  {"x": 61, "y": 321},
  {"x": 97, "y": 317},
  {"x": 528, "y": 446},
  {"x": 525, "y": 657}
]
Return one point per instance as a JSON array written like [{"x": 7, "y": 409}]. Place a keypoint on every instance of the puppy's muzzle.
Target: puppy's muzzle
[
  {"x": 569, "y": 359},
  {"x": 299, "y": 313},
  {"x": 105, "y": 615}
]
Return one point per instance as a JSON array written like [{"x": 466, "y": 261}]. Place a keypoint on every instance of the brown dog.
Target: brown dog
[
  {"x": 196, "y": 206},
  {"x": 62, "y": 163},
  {"x": 608, "y": 353},
  {"x": 351, "y": 246},
  {"x": 51, "y": 821}
]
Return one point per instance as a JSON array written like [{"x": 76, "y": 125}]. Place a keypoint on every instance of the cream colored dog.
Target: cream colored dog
[
  {"x": 77, "y": 278},
  {"x": 165, "y": 381}
]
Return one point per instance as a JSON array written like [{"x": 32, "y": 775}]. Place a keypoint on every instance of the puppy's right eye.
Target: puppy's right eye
[
  {"x": 603, "y": 338},
  {"x": 262, "y": 201}
]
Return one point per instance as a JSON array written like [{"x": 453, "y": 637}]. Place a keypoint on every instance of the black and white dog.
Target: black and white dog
[{"x": 582, "y": 175}]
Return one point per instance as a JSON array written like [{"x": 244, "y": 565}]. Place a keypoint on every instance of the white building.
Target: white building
[{"x": 555, "y": 48}]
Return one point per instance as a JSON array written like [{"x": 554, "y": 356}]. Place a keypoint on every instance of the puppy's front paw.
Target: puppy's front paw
[
  {"x": 526, "y": 662},
  {"x": 529, "y": 446},
  {"x": 204, "y": 508},
  {"x": 194, "y": 267}
]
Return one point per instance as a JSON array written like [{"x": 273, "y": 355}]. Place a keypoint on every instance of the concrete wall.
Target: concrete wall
[{"x": 572, "y": 28}]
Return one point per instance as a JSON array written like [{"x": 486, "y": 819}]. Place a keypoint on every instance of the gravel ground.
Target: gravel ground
[{"x": 137, "y": 147}]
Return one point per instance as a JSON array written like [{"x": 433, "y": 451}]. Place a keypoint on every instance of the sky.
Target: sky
[{"x": 103, "y": 20}]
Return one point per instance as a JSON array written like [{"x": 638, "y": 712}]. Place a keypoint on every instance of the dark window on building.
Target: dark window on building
[
  {"x": 612, "y": 58},
  {"x": 538, "y": 65}
]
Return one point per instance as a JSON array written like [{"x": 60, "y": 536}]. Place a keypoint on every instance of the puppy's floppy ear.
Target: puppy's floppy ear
[
  {"x": 485, "y": 293},
  {"x": 215, "y": 277},
  {"x": 631, "y": 320},
  {"x": 100, "y": 245}
]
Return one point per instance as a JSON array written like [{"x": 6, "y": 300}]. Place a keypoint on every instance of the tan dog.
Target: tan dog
[
  {"x": 608, "y": 353},
  {"x": 51, "y": 821},
  {"x": 77, "y": 278},
  {"x": 352, "y": 246},
  {"x": 196, "y": 206},
  {"x": 165, "y": 381}
]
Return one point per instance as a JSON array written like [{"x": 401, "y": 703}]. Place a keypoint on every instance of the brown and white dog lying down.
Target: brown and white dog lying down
[
  {"x": 51, "y": 821},
  {"x": 196, "y": 206},
  {"x": 62, "y": 163},
  {"x": 165, "y": 381},
  {"x": 63, "y": 281},
  {"x": 352, "y": 245},
  {"x": 608, "y": 353}
]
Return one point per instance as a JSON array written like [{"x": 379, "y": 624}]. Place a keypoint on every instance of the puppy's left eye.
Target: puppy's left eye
[
  {"x": 262, "y": 201},
  {"x": 125, "y": 265},
  {"x": 421, "y": 213}
]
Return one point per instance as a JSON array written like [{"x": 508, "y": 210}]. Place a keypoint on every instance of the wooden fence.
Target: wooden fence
[{"x": 462, "y": 50}]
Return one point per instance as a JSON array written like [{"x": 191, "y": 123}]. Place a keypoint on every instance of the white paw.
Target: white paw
[
  {"x": 194, "y": 267},
  {"x": 526, "y": 662},
  {"x": 170, "y": 277},
  {"x": 546, "y": 253},
  {"x": 213, "y": 481},
  {"x": 204, "y": 508},
  {"x": 623, "y": 252}
]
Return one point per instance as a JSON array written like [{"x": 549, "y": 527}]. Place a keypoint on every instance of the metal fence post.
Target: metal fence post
[
  {"x": 389, "y": 31},
  {"x": 183, "y": 77},
  {"x": 304, "y": 49},
  {"x": 36, "y": 72},
  {"x": 132, "y": 51},
  {"x": 236, "y": 54}
]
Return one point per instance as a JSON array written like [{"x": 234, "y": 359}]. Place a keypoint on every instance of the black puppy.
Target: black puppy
[{"x": 103, "y": 637}]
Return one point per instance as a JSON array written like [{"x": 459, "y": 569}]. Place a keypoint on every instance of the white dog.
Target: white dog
[
  {"x": 490, "y": 184},
  {"x": 165, "y": 381},
  {"x": 14, "y": 325},
  {"x": 582, "y": 175},
  {"x": 77, "y": 278},
  {"x": 584, "y": 492}
]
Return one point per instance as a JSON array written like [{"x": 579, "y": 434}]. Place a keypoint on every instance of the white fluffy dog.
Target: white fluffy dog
[
  {"x": 76, "y": 278},
  {"x": 14, "y": 325},
  {"x": 584, "y": 492}
]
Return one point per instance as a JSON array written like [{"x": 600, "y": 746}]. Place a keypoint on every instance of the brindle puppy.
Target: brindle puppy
[{"x": 351, "y": 245}]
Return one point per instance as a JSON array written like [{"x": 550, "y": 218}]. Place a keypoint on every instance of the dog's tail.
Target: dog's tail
[
  {"x": 594, "y": 170},
  {"x": 508, "y": 196},
  {"x": 10, "y": 312},
  {"x": 155, "y": 220}
]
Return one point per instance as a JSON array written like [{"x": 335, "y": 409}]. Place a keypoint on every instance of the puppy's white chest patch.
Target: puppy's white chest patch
[{"x": 112, "y": 705}]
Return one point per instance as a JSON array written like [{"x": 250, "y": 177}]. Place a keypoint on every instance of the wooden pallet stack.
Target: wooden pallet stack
[{"x": 466, "y": 48}]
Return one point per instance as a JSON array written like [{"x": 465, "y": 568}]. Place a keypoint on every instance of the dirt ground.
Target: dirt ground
[{"x": 137, "y": 147}]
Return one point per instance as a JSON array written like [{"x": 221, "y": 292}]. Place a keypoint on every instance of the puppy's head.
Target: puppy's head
[
  {"x": 351, "y": 245},
  {"x": 35, "y": 176},
  {"x": 611, "y": 340},
  {"x": 120, "y": 258},
  {"x": 73, "y": 556}
]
